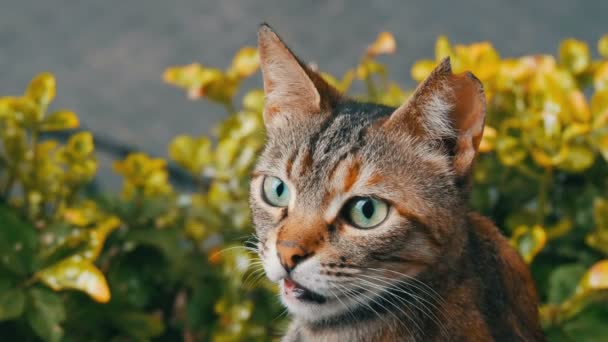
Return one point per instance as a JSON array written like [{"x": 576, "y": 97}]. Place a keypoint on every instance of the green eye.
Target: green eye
[
  {"x": 366, "y": 212},
  {"x": 275, "y": 192}
]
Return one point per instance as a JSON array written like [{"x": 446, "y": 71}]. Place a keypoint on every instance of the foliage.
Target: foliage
[{"x": 157, "y": 262}]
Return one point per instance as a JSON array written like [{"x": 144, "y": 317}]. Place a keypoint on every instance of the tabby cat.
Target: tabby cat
[{"x": 362, "y": 217}]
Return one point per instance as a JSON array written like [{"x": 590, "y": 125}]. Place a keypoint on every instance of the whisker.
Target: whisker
[
  {"x": 437, "y": 295},
  {"x": 377, "y": 302},
  {"x": 425, "y": 309},
  {"x": 421, "y": 300}
]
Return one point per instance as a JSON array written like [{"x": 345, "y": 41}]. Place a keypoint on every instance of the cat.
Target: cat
[{"x": 361, "y": 213}]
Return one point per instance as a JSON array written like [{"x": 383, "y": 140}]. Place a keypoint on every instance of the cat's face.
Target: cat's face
[{"x": 350, "y": 199}]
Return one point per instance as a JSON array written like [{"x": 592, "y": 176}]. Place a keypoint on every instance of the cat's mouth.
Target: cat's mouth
[{"x": 299, "y": 292}]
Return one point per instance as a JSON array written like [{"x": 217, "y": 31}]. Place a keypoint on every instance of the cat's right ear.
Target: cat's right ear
[{"x": 291, "y": 88}]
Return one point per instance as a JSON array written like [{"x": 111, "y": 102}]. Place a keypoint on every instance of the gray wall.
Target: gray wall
[{"x": 108, "y": 55}]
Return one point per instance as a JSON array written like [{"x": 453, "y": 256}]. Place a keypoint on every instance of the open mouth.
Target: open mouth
[{"x": 301, "y": 293}]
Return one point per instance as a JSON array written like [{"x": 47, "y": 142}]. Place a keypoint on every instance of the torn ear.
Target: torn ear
[
  {"x": 291, "y": 88},
  {"x": 448, "y": 108}
]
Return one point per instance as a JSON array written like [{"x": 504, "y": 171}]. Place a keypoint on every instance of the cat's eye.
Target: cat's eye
[
  {"x": 365, "y": 212},
  {"x": 275, "y": 191}
]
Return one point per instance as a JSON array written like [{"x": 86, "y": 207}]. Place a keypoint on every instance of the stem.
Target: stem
[
  {"x": 526, "y": 171},
  {"x": 542, "y": 195},
  {"x": 26, "y": 190},
  {"x": 28, "y": 282},
  {"x": 229, "y": 106},
  {"x": 8, "y": 186},
  {"x": 139, "y": 204},
  {"x": 200, "y": 185},
  {"x": 371, "y": 88}
]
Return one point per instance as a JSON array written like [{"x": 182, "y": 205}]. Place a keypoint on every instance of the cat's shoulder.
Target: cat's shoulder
[{"x": 514, "y": 276}]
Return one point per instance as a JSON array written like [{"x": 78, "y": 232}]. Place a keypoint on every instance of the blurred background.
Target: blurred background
[
  {"x": 108, "y": 56},
  {"x": 137, "y": 256}
]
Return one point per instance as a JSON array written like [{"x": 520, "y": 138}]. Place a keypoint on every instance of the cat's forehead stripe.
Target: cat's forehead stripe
[{"x": 352, "y": 175}]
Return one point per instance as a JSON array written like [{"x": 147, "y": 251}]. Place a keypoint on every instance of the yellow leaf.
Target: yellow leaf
[
  {"x": 598, "y": 238},
  {"x": 600, "y": 77},
  {"x": 369, "y": 67},
  {"x": 546, "y": 160},
  {"x": 422, "y": 69},
  {"x": 6, "y": 104},
  {"x": 80, "y": 145},
  {"x": 577, "y": 159},
  {"x": 488, "y": 140},
  {"x": 509, "y": 150},
  {"x": 479, "y": 58},
  {"x": 442, "y": 48},
  {"x": 191, "y": 153},
  {"x": 602, "y": 46},
  {"x": 246, "y": 62},
  {"x": 384, "y": 44},
  {"x": 84, "y": 214},
  {"x": 600, "y": 213},
  {"x": 60, "y": 120},
  {"x": 600, "y": 142},
  {"x": 98, "y": 236},
  {"x": 137, "y": 167},
  {"x": 76, "y": 274},
  {"x": 185, "y": 76},
  {"x": 575, "y": 130},
  {"x": 599, "y": 108},
  {"x": 579, "y": 106},
  {"x": 529, "y": 241},
  {"x": 392, "y": 96},
  {"x": 595, "y": 279},
  {"x": 254, "y": 100},
  {"x": 195, "y": 230},
  {"x": 513, "y": 71},
  {"x": 42, "y": 89},
  {"x": 574, "y": 55},
  {"x": 21, "y": 109}
]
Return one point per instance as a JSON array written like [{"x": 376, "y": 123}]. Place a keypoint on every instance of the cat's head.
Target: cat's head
[{"x": 350, "y": 199}]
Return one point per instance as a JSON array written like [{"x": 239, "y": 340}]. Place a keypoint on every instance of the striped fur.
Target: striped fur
[{"x": 433, "y": 270}]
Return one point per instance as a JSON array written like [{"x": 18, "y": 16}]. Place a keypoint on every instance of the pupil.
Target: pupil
[
  {"x": 280, "y": 188},
  {"x": 368, "y": 209}
]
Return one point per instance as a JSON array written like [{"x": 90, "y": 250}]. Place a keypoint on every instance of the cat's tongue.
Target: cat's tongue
[{"x": 289, "y": 284}]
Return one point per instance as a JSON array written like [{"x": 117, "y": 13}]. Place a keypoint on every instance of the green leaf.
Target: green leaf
[
  {"x": 60, "y": 120},
  {"x": 563, "y": 281},
  {"x": 12, "y": 303},
  {"x": 590, "y": 325},
  {"x": 42, "y": 89},
  {"x": 18, "y": 243},
  {"x": 139, "y": 325},
  {"x": 45, "y": 314}
]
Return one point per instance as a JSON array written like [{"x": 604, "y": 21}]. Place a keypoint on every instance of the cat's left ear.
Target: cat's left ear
[
  {"x": 292, "y": 90},
  {"x": 447, "y": 109}
]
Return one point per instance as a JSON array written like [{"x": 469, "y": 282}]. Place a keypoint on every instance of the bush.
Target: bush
[{"x": 156, "y": 262}]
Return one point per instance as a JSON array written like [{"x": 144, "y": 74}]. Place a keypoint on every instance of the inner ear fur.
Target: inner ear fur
[{"x": 448, "y": 108}]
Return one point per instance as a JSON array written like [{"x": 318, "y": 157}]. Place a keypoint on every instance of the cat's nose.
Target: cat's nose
[{"x": 291, "y": 254}]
